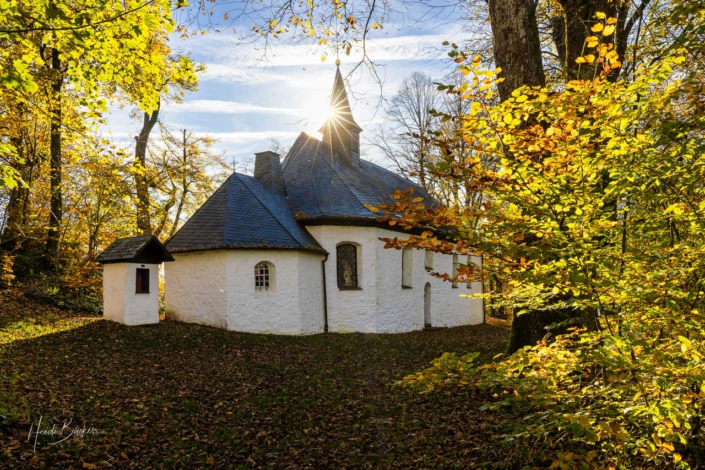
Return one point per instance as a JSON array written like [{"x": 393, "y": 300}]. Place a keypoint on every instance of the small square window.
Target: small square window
[{"x": 142, "y": 281}]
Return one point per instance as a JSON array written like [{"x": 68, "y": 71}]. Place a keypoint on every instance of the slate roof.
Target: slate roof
[
  {"x": 242, "y": 213},
  {"x": 321, "y": 187},
  {"x": 264, "y": 212},
  {"x": 144, "y": 248}
]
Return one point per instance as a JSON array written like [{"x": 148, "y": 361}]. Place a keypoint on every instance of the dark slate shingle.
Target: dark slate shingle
[
  {"x": 143, "y": 248},
  {"x": 243, "y": 214},
  {"x": 319, "y": 186}
]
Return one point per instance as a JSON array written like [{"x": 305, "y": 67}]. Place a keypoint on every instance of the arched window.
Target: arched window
[
  {"x": 262, "y": 276},
  {"x": 346, "y": 255}
]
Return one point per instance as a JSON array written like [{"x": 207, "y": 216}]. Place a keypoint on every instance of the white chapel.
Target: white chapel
[{"x": 294, "y": 249}]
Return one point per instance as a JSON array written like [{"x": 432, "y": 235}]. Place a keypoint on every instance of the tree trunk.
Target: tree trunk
[
  {"x": 516, "y": 44},
  {"x": 56, "y": 199},
  {"x": 12, "y": 230},
  {"x": 570, "y": 30},
  {"x": 517, "y": 50},
  {"x": 184, "y": 186},
  {"x": 144, "y": 222}
]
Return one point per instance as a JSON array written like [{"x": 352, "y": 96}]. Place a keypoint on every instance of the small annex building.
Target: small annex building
[
  {"x": 131, "y": 279},
  {"x": 293, "y": 249}
]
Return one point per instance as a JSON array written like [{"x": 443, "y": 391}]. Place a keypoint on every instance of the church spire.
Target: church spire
[
  {"x": 339, "y": 102},
  {"x": 340, "y": 131}
]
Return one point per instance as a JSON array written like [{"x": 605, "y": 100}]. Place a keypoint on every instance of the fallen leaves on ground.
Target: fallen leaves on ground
[{"x": 178, "y": 395}]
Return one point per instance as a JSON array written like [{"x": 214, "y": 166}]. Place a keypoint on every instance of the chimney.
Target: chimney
[{"x": 268, "y": 170}]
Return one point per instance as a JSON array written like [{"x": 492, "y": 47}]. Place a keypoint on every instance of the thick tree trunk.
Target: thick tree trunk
[
  {"x": 517, "y": 50},
  {"x": 516, "y": 44},
  {"x": 570, "y": 29},
  {"x": 56, "y": 198},
  {"x": 144, "y": 222}
]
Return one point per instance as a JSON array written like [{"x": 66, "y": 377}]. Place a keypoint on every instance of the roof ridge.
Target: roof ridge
[
  {"x": 285, "y": 160},
  {"x": 342, "y": 180},
  {"x": 269, "y": 211}
]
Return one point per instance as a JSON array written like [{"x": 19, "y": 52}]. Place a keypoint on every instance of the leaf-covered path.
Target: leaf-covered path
[{"x": 187, "y": 396}]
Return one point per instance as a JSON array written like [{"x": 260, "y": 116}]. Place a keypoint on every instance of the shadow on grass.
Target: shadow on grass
[{"x": 180, "y": 395}]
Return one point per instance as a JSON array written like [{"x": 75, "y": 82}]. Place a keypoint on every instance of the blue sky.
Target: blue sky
[{"x": 245, "y": 101}]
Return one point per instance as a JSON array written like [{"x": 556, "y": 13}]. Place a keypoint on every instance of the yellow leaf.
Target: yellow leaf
[
  {"x": 600, "y": 16},
  {"x": 609, "y": 29},
  {"x": 612, "y": 21},
  {"x": 597, "y": 27},
  {"x": 666, "y": 447}
]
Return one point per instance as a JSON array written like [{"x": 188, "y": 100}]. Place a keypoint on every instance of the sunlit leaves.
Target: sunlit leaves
[{"x": 597, "y": 208}]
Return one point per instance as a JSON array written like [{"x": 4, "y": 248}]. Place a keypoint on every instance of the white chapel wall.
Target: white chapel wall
[
  {"x": 292, "y": 305},
  {"x": 350, "y": 310},
  {"x": 121, "y": 303},
  {"x": 195, "y": 288},
  {"x": 114, "y": 291},
  {"x": 382, "y": 305},
  {"x": 218, "y": 288}
]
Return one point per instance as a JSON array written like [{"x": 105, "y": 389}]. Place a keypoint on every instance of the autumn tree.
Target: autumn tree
[
  {"x": 405, "y": 138},
  {"x": 186, "y": 172},
  {"x": 98, "y": 52},
  {"x": 177, "y": 77},
  {"x": 595, "y": 206}
]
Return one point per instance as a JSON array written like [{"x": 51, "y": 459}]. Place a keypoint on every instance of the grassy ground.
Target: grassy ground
[{"x": 186, "y": 396}]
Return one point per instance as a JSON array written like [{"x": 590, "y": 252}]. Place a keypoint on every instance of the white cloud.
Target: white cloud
[
  {"x": 251, "y": 137},
  {"x": 237, "y": 73},
  {"x": 232, "y": 107},
  {"x": 232, "y": 55}
]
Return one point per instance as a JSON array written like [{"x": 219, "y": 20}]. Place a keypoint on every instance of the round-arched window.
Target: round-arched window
[
  {"x": 262, "y": 276},
  {"x": 346, "y": 254}
]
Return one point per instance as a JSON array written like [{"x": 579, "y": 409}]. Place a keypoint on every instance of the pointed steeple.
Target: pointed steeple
[
  {"x": 340, "y": 131},
  {"x": 339, "y": 102}
]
